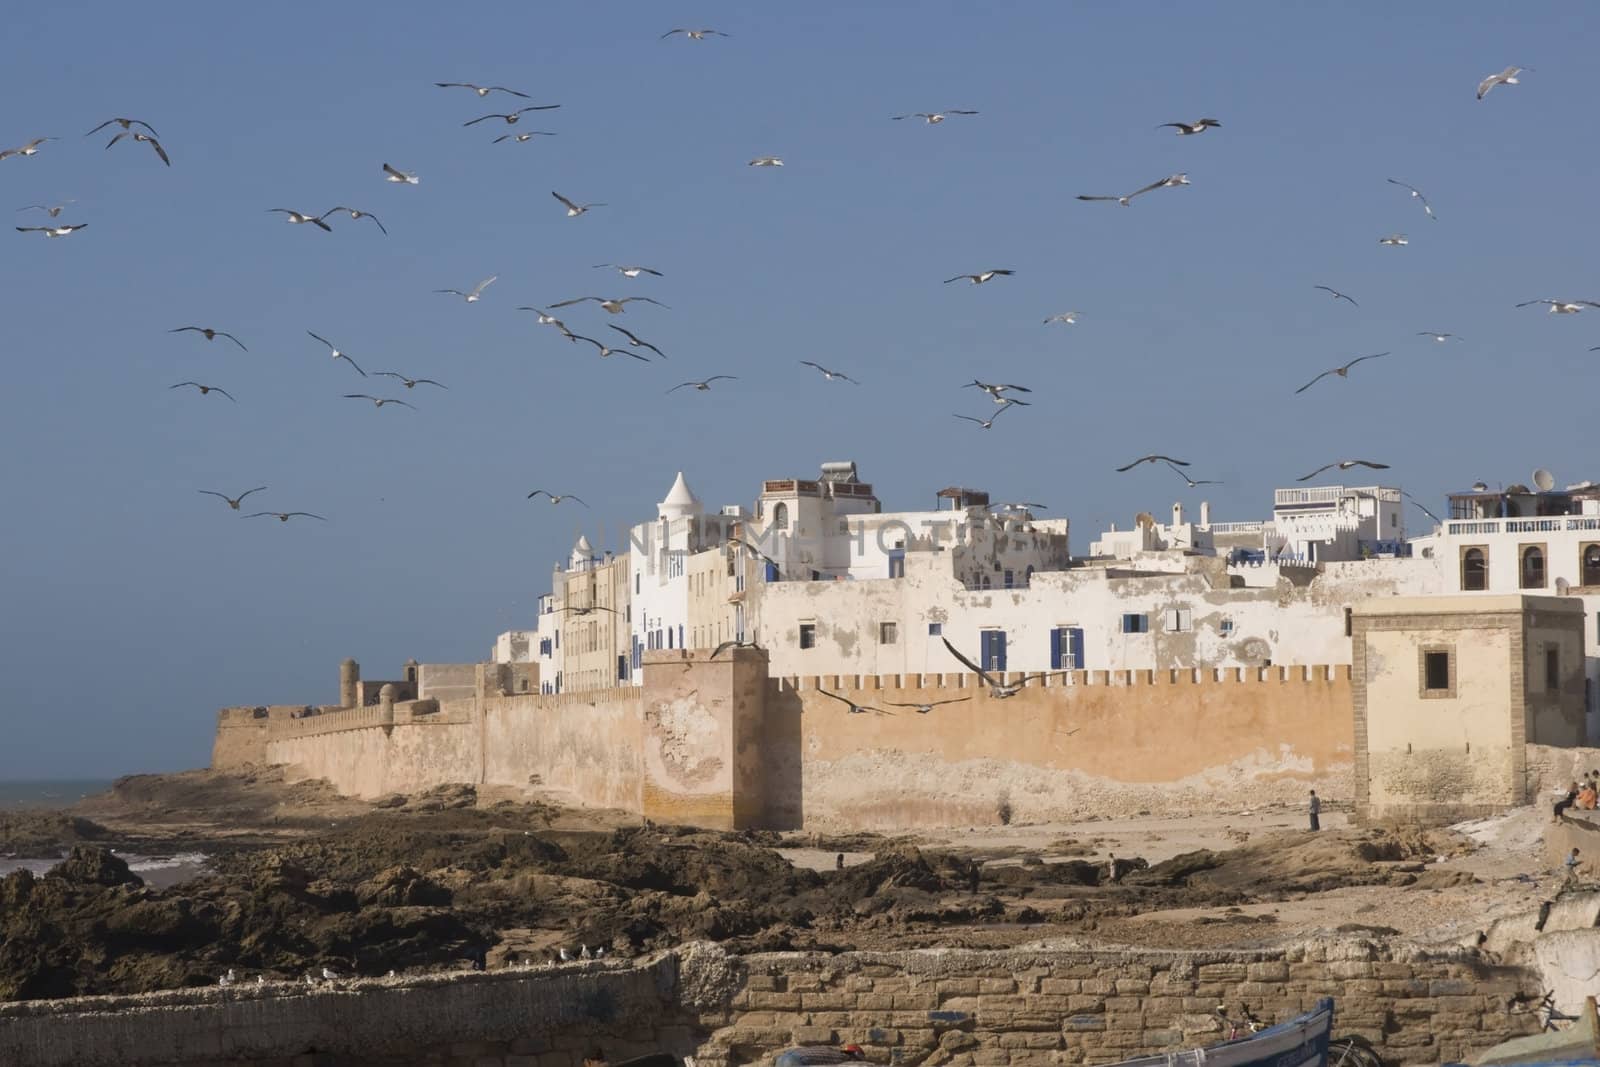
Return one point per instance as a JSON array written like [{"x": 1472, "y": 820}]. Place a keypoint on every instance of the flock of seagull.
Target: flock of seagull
[{"x": 630, "y": 344}]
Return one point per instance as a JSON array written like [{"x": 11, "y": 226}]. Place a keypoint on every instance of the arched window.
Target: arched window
[
  {"x": 780, "y": 517},
  {"x": 1591, "y": 564},
  {"x": 1533, "y": 567},
  {"x": 1474, "y": 571}
]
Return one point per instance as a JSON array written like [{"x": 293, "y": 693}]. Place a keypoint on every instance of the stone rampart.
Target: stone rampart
[{"x": 941, "y": 1007}]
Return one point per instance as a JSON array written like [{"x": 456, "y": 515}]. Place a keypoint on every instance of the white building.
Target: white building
[{"x": 1325, "y": 523}]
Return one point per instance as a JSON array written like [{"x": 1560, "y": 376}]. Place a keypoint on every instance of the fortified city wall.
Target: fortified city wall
[{"x": 941, "y": 1007}]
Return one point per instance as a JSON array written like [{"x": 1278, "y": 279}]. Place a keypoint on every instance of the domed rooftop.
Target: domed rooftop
[
  {"x": 680, "y": 502},
  {"x": 582, "y": 552}
]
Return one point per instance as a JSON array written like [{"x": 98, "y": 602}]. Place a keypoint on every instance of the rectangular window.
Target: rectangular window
[
  {"x": 1010, "y": 580},
  {"x": 1179, "y": 620},
  {"x": 888, "y": 633},
  {"x": 622, "y": 668},
  {"x": 558, "y": 638},
  {"x": 897, "y": 564},
  {"x": 1436, "y": 672},
  {"x": 808, "y": 635},
  {"x": 1552, "y": 669},
  {"x": 1225, "y": 627},
  {"x": 1066, "y": 648},
  {"x": 636, "y": 583},
  {"x": 936, "y": 629},
  {"x": 1135, "y": 623},
  {"x": 1349, "y": 622}
]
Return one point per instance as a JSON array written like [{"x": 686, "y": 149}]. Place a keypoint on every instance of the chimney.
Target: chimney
[
  {"x": 1177, "y": 514},
  {"x": 1205, "y": 514}
]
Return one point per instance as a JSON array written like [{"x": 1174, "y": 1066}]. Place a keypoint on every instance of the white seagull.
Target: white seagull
[
  {"x": 997, "y": 689},
  {"x": 1337, "y": 295},
  {"x": 984, "y": 424},
  {"x": 1343, "y": 371},
  {"x": 357, "y": 213},
  {"x": 338, "y": 354},
  {"x": 126, "y": 124},
  {"x": 573, "y": 210},
  {"x": 481, "y": 90},
  {"x": 607, "y": 350},
  {"x": 146, "y": 139},
  {"x": 547, "y": 319},
  {"x": 1505, "y": 77},
  {"x": 53, "y": 211},
  {"x": 932, "y": 118},
  {"x": 1416, "y": 194},
  {"x": 298, "y": 217},
  {"x": 851, "y": 705},
  {"x": 510, "y": 119},
  {"x": 1187, "y": 128},
  {"x": 555, "y": 498},
  {"x": 520, "y": 138},
  {"x": 924, "y": 707},
  {"x": 629, "y": 271},
  {"x": 614, "y": 304},
  {"x": 210, "y": 334},
  {"x": 1165, "y": 183},
  {"x": 477, "y": 291},
  {"x": 233, "y": 501},
  {"x": 1563, "y": 307},
  {"x": 1168, "y": 460},
  {"x": 994, "y": 389},
  {"x": 328, "y": 975},
  {"x": 704, "y": 385},
  {"x": 1344, "y": 465},
  {"x": 766, "y": 161},
  {"x": 52, "y": 231},
  {"x": 1394, "y": 239},
  {"x": 830, "y": 374},
  {"x": 29, "y": 149},
  {"x": 1068, "y": 317},
  {"x": 694, "y": 35},
  {"x": 1440, "y": 337},
  {"x": 399, "y": 177},
  {"x": 980, "y": 277},
  {"x": 636, "y": 342},
  {"x": 378, "y": 401}
]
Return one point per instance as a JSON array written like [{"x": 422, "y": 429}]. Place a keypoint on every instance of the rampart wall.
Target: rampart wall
[{"x": 943, "y": 1007}]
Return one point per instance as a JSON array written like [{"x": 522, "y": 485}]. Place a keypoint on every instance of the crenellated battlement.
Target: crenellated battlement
[{"x": 1325, "y": 674}]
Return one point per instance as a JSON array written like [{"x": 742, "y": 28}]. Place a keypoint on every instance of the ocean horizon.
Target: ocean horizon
[{"x": 49, "y": 792}]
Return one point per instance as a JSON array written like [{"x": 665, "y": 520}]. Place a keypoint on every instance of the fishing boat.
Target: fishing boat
[
  {"x": 1578, "y": 1044},
  {"x": 1299, "y": 1042}
]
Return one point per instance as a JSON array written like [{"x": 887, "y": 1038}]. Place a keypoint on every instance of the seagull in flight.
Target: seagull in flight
[
  {"x": 590, "y": 610},
  {"x": 144, "y": 138},
  {"x": 1194, "y": 483},
  {"x": 1168, "y": 460},
  {"x": 285, "y": 516},
  {"x": 994, "y": 389},
  {"x": 829, "y": 374},
  {"x": 1440, "y": 337},
  {"x": 1185, "y": 129},
  {"x": 1505, "y": 77},
  {"x": 126, "y": 124},
  {"x": 573, "y": 210},
  {"x": 482, "y": 90},
  {"x": 409, "y": 383},
  {"x": 204, "y": 389},
  {"x": 399, "y": 177},
  {"x": 547, "y": 319},
  {"x": 211, "y": 335},
  {"x": 615, "y": 305},
  {"x": 997, "y": 689},
  {"x": 378, "y": 401},
  {"x": 1344, "y": 465},
  {"x": 1394, "y": 239},
  {"x": 925, "y": 707},
  {"x": 766, "y": 161},
  {"x": 1165, "y": 183},
  {"x": 1337, "y": 295},
  {"x": 1068, "y": 317},
  {"x": 607, "y": 350},
  {"x": 298, "y": 217},
  {"x": 29, "y": 149},
  {"x": 855, "y": 709},
  {"x": 357, "y": 213},
  {"x": 704, "y": 385},
  {"x": 338, "y": 354},
  {"x": 1343, "y": 372},
  {"x": 1424, "y": 510},
  {"x": 52, "y": 231},
  {"x": 54, "y": 212},
  {"x": 1563, "y": 307},
  {"x": 984, "y": 424},
  {"x": 477, "y": 291},
  {"x": 932, "y": 118},
  {"x": 694, "y": 35},
  {"x": 629, "y": 271},
  {"x": 720, "y": 649},
  {"x": 980, "y": 277},
  {"x": 233, "y": 501},
  {"x": 635, "y": 342},
  {"x": 1416, "y": 194},
  {"x": 511, "y": 118},
  {"x": 555, "y": 498},
  {"x": 521, "y": 138}
]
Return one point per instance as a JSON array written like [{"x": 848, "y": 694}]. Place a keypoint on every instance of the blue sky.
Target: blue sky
[{"x": 134, "y": 607}]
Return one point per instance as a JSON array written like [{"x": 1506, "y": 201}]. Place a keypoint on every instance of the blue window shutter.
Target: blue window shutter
[
  {"x": 1055, "y": 649},
  {"x": 1076, "y": 635}
]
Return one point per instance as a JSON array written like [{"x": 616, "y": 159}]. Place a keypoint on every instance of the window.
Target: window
[
  {"x": 1474, "y": 570},
  {"x": 636, "y": 583},
  {"x": 1180, "y": 620},
  {"x": 1589, "y": 565},
  {"x": 1349, "y": 622},
  {"x": 936, "y": 629},
  {"x": 1225, "y": 627},
  {"x": 558, "y": 638},
  {"x": 897, "y": 564},
  {"x": 1532, "y": 576},
  {"x": 1010, "y": 580},
  {"x": 1438, "y": 673},
  {"x": 1135, "y": 623},
  {"x": 1066, "y": 648},
  {"x": 780, "y": 517},
  {"x": 985, "y": 583},
  {"x": 888, "y": 633},
  {"x": 622, "y": 668},
  {"x": 808, "y": 635},
  {"x": 1552, "y": 669},
  {"x": 816, "y": 576},
  {"x": 1027, "y": 576}
]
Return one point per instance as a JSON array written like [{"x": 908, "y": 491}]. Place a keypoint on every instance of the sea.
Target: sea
[{"x": 158, "y": 871}]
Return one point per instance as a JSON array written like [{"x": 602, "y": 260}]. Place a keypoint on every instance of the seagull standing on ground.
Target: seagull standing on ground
[
  {"x": 932, "y": 118},
  {"x": 1505, "y": 77},
  {"x": 144, "y": 138},
  {"x": 635, "y": 342},
  {"x": 1168, "y": 460},
  {"x": 511, "y": 119},
  {"x": 399, "y": 177},
  {"x": 297, "y": 217},
  {"x": 204, "y": 389},
  {"x": 573, "y": 210},
  {"x": 210, "y": 335},
  {"x": 1344, "y": 465},
  {"x": 1171, "y": 182},
  {"x": 1563, "y": 307},
  {"x": 555, "y": 498},
  {"x": 1343, "y": 372},
  {"x": 704, "y": 385},
  {"x": 980, "y": 277},
  {"x": 338, "y": 354},
  {"x": 378, "y": 401},
  {"x": 29, "y": 149},
  {"x": 477, "y": 291},
  {"x": 831, "y": 375},
  {"x": 1337, "y": 295},
  {"x": 481, "y": 90},
  {"x": 233, "y": 501},
  {"x": 53, "y": 231},
  {"x": 1416, "y": 194},
  {"x": 1187, "y": 128}
]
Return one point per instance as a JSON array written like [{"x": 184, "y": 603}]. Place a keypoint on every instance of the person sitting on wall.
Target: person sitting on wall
[
  {"x": 1586, "y": 797},
  {"x": 818, "y": 1056},
  {"x": 1567, "y": 801}
]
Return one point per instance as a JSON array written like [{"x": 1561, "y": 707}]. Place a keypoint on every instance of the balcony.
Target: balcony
[
  {"x": 1236, "y": 527},
  {"x": 1481, "y": 527}
]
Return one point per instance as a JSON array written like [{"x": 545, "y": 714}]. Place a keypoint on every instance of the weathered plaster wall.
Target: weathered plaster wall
[
  {"x": 945, "y": 1008},
  {"x": 362, "y": 754},
  {"x": 1079, "y": 743},
  {"x": 585, "y": 743},
  {"x": 701, "y": 719}
]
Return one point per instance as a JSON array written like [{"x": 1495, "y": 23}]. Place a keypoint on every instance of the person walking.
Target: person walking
[
  {"x": 1315, "y": 807},
  {"x": 1572, "y": 863}
]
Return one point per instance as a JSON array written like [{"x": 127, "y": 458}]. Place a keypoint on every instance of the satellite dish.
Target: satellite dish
[
  {"x": 1144, "y": 518},
  {"x": 1544, "y": 480},
  {"x": 1480, "y": 487},
  {"x": 1562, "y": 585}
]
